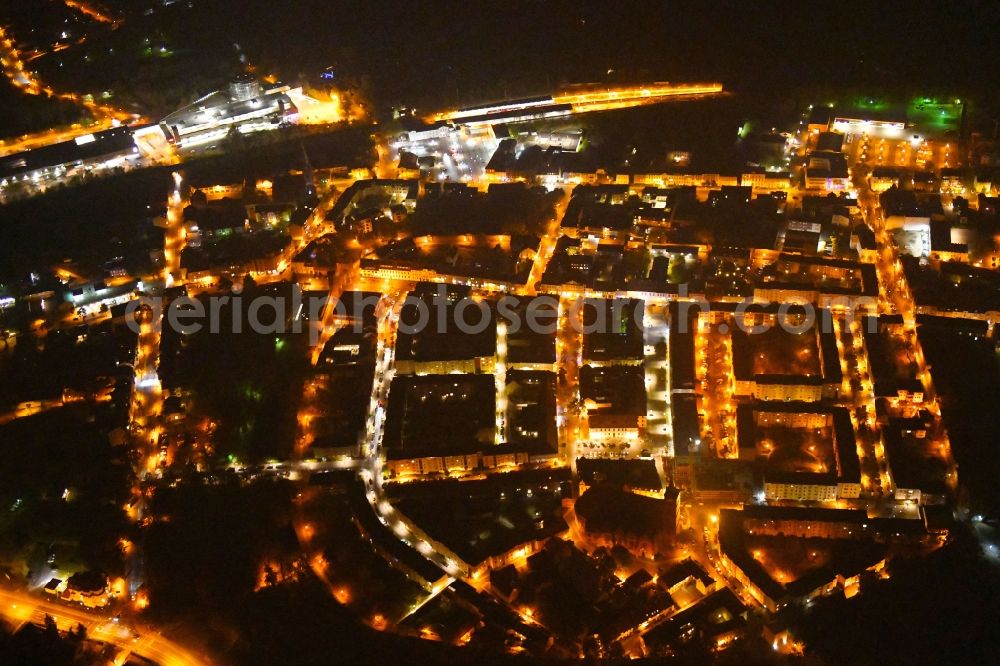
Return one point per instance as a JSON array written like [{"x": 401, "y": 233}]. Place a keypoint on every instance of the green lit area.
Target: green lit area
[
  {"x": 928, "y": 115},
  {"x": 872, "y": 107},
  {"x": 935, "y": 115},
  {"x": 872, "y": 104}
]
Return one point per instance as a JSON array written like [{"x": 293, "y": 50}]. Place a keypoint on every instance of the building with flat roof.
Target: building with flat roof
[
  {"x": 891, "y": 359},
  {"x": 830, "y": 141},
  {"x": 636, "y": 474},
  {"x": 949, "y": 242},
  {"x": 842, "y": 544},
  {"x": 802, "y": 451},
  {"x": 442, "y": 425},
  {"x": 245, "y": 104},
  {"x": 349, "y": 346},
  {"x": 687, "y": 429},
  {"x": 105, "y": 149},
  {"x": 612, "y": 332},
  {"x": 820, "y": 118},
  {"x": 761, "y": 180},
  {"x": 916, "y": 459},
  {"x": 863, "y": 242},
  {"x": 827, "y": 170},
  {"x": 785, "y": 361},
  {"x": 446, "y": 419},
  {"x": 760, "y": 519},
  {"x": 435, "y": 344},
  {"x": 342, "y": 388},
  {"x": 889, "y": 122},
  {"x": 816, "y": 279},
  {"x": 615, "y": 389},
  {"x": 615, "y": 402},
  {"x": 722, "y": 480},
  {"x": 531, "y": 334},
  {"x": 681, "y": 339},
  {"x": 531, "y": 411},
  {"x": 591, "y": 214}
]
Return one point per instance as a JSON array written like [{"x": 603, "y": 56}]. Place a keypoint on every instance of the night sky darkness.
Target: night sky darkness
[{"x": 411, "y": 48}]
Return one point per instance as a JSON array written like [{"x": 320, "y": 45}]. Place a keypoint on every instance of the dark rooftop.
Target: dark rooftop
[
  {"x": 636, "y": 473},
  {"x": 683, "y": 570},
  {"x": 432, "y": 342},
  {"x": 622, "y": 387},
  {"x": 612, "y": 329},
  {"x": 106, "y": 143},
  {"x": 440, "y": 415}
]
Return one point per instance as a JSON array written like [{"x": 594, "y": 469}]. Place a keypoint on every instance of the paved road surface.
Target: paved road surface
[{"x": 20, "y": 607}]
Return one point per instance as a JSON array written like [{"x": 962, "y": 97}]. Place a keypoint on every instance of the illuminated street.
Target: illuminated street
[
  {"x": 589, "y": 334},
  {"x": 19, "y": 608}
]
